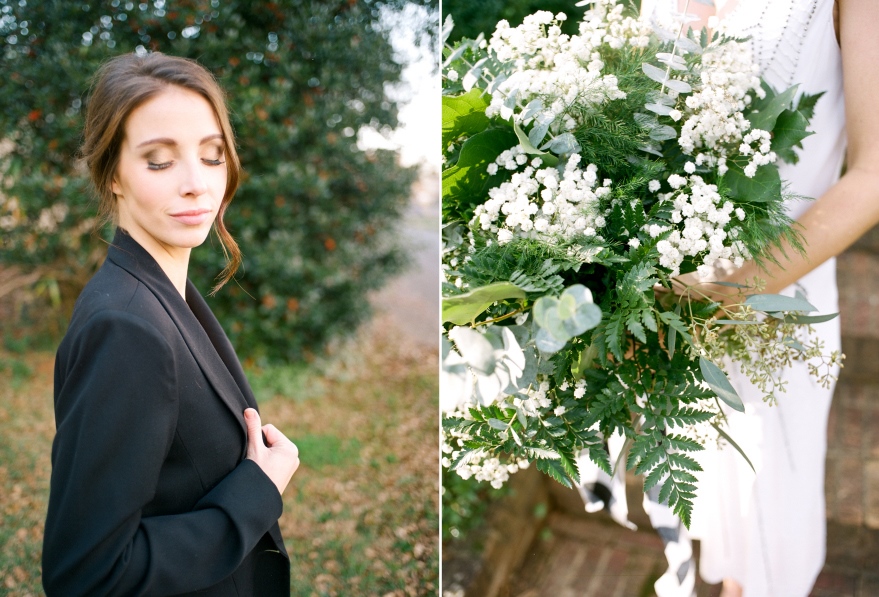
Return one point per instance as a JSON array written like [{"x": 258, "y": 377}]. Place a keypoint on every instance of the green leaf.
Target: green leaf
[
  {"x": 649, "y": 321},
  {"x": 778, "y": 302},
  {"x": 570, "y": 467},
  {"x": 809, "y": 319},
  {"x": 636, "y": 328},
  {"x": 732, "y": 442},
  {"x": 548, "y": 158},
  {"x": 466, "y": 184},
  {"x": 498, "y": 424},
  {"x": 672, "y": 337},
  {"x": 717, "y": 380},
  {"x": 806, "y": 104},
  {"x": 770, "y": 108},
  {"x": 736, "y": 322},
  {"x": 764, "y": 186},
  {"x": 790, "y": 130},
  {"x": 568, "y": 316},
  {"x": 679, "y": 442},
  {"x": 554, "y": 470},
  {"x": 731, "y": 284},
  {"x": 464, "y": 115},
  {"x": 464, "y": 308},
  {"x": 654, "y": 477}
]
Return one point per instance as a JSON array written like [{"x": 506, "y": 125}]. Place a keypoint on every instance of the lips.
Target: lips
[{"x": 192, "y": 217}]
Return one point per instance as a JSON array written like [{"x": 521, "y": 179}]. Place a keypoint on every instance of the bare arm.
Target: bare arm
[{"x": 851, "y": 206}]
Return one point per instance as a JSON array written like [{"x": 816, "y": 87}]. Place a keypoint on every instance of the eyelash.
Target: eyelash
[{"x": 163, "y": 165}]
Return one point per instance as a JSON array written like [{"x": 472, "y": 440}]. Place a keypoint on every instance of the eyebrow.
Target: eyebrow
[{"x": 172, "y": 142}]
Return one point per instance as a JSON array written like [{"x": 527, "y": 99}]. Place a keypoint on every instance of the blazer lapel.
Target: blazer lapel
[
  {"x": 128, "y": 254},
  {"x": 219, "y": 340}
]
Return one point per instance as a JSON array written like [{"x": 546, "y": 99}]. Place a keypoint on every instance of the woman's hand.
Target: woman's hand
[{"x": 279, "y": 459}]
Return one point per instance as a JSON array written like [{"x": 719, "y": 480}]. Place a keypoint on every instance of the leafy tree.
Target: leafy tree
[
  {"x": 473, "y": 18},
  {"x": 314, "y": 215}
]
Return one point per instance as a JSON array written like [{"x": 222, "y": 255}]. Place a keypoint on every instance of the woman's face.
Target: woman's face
[{"x": 171, "y": 176}]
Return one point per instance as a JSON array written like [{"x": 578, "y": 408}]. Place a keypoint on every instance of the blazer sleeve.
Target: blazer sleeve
[{"x": 116, "y": 415}]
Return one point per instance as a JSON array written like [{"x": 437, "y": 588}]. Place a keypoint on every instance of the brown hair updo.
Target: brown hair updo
[{"x": 122, "y": 84}]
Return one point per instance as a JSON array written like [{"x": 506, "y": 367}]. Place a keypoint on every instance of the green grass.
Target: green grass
[{"x": 361, "y": 513}]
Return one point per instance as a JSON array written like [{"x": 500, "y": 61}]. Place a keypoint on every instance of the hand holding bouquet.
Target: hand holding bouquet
[{"x": 582, "y": 173}]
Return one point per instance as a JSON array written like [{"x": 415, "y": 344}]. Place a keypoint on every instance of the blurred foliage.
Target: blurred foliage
[
  {"x": 473, "y": 18},
  {"x": 314, "y": 215},
  {"x": 465, "y": 503}
]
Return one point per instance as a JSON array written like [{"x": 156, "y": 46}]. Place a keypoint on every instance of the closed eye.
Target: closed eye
[
  {"x": 159, "y": 166},
  {"x": 216, "y": 162}
]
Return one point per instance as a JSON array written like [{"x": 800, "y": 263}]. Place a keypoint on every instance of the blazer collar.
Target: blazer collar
[{"x": 200, "y": 329}]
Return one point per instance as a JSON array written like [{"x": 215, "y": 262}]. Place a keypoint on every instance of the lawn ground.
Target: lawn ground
[{"x": 360, "y": 516}]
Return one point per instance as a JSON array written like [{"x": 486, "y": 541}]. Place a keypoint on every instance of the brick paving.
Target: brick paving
[{"x": 590, "y": 556}]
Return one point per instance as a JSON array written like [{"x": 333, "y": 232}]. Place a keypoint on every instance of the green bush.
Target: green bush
[
  {"x": 314, "y": 215},
  {"x": 472, "y": 18}
]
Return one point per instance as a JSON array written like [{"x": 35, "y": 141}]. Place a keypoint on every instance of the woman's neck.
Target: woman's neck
[{"x": 174, "y": 261}]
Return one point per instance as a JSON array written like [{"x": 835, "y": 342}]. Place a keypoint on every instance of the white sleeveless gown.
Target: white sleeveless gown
[{"x": 767, "y": 530}]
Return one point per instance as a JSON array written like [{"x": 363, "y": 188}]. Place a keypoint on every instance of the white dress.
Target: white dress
[{"x": 767, "y": 531}]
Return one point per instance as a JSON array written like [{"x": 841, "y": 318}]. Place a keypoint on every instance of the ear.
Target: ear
[{"x": 115, "y": 187}]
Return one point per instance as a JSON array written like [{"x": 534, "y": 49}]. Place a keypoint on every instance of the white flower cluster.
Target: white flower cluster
[
  {"x": 705, "y": 229},
  {"x": 715, "y": 127},
  {"x": 535, "y": 399},
  {"x": 479, "y": 464},
  {"x": 558, "y": 68},
  {"x": 761, "y": 155},
  {"x": 605, "y": 23},
  {"x": 538, "y": 203}
]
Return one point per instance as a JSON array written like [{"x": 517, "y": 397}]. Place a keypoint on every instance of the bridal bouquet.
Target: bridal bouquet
[{"x": 582, "y": 176}]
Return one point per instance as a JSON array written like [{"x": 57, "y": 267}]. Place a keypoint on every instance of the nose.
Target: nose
[{"x": 193, "y": 183}]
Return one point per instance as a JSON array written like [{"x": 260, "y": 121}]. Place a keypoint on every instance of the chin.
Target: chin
[{"x": 189, "y": 239}]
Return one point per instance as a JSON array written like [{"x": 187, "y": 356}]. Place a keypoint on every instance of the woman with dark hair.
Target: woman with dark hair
[{"x": 164, "y": 481}]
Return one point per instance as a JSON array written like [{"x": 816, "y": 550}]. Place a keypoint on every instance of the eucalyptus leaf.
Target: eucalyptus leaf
[
  {"x": 809, "y": 319},
  {"x": 794, "y": 343},
  {"x": 472, "y": 77},
  {"x": 731, "y": 284},
  {"x": 548, "y": 158},
  {"x": 778, "y": 302},
  {"x": 663, "y": 133},
  {"x": 564, "y": 143},
  {"x": 732, "y": 442},
  {"x": 651, "y": 149},
  {"x": 647, "y": 121},
  {"x": 735, "y": 322},
  {"x": 717, "y": 381},
  {"x": 569, "y": 315},
  {"x": 464, "y": 308},
  {"x": 658, "y": 97},
  {"x": 654, "y": 72},
  {"x": 476, "y": 350},
  {"x": 660, "y": 109},
  {"x": 679, "y": 86},
  {"x": 540, "y": 128},
  {"x": 547, "y": 343},
  {"x": 496, "y": 83},
  {"x": 689, "y": 45},
  {"x": 497, "y": 424},
  {"x": 533, "y": 107},
  {"x": 457, "y": 53},
  {"x": 448, "y": 25},
  {"x": 672, "y": 60}
]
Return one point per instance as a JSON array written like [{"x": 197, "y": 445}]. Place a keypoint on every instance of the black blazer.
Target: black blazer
[{"x": 150, "y": 491}]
